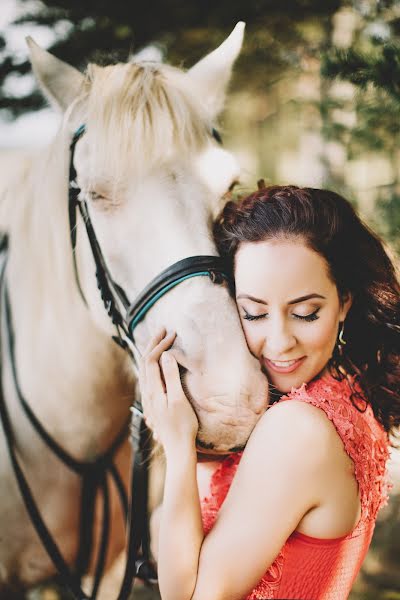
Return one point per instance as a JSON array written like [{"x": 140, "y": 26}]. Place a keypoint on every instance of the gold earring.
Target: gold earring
[{"x": 342, "y": 341}]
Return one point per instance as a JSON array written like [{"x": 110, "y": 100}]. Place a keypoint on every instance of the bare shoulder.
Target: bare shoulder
[
  {"x": 296, "y": 430},
  {"x": 297, "y": 418}
]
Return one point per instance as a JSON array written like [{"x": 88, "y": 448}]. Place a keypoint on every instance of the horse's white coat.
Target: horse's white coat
[{"x": 157, "y": 175}]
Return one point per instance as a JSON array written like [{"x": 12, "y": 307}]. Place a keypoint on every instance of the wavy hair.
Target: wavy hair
[{"x": 358, "y": 264}]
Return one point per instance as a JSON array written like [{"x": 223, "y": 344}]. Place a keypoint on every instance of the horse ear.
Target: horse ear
[
  {"x": 212, "y": 73},
  {"x": 60, "y": 82}
]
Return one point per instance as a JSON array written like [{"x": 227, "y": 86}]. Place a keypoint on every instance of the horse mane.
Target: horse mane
[{"x": 140, "y": 116}]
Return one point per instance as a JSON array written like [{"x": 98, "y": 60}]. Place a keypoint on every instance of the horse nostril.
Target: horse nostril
[
  {"x": 239, "y": 448},
  {"x": 182, "y": 371},
  {"x": 205, "y": 445}
]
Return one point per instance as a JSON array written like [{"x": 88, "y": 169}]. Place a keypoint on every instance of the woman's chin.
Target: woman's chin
[{"x": 284, "y": 384}]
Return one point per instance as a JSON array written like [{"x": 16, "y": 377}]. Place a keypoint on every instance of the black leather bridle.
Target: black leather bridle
[{"x": 125, "y": 316}]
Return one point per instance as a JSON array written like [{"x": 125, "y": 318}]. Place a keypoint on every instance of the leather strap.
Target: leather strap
[
  {"x": 30, "y": 505},
  {"x": 193, "y": 266},
  {"x": 94, "y": 475},
  {"x": 73, "y": 193}
]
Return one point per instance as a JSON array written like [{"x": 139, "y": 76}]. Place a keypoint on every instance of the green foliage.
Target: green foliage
[
  {"x": 372, "y": 66},
  {"x": 381, "y": 67},
  {"x": 104, "y": 31},
  {"x": 389, "y": 210}
]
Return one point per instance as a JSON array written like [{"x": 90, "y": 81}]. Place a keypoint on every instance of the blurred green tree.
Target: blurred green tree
[
  {"x": 372, "y": 65},
  {"x": 104, "y": 31}
]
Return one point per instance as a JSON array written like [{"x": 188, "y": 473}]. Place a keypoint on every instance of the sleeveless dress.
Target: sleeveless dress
[{"x": 311, "y": 568}]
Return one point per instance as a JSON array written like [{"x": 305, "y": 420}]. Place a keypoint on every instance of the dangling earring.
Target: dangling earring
[
  {"x": 338, "y": 359},
  {"x": 341, "y": 341}
]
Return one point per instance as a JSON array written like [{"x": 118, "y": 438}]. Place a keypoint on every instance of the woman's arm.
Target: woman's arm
[
  {"x": 169, "y": 414},
  {"x": 277, "y": 482},
  {"x": 181, "y": 530}
]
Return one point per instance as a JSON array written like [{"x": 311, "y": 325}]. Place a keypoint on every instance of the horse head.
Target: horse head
[{"x": 151, "y": 174}]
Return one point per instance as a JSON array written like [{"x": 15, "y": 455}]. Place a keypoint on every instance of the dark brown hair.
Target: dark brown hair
[{"x": 358, "y": 264}]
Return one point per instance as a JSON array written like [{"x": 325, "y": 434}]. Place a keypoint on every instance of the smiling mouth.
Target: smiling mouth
[
  {"x": 284, "y": 366},
  {"x": 283, "y": 363}
]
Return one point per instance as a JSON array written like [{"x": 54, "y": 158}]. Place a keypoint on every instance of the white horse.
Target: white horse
[{"x": 152, "y": 175}]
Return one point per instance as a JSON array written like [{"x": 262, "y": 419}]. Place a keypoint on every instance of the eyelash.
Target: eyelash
[{"x": 311, "y": 317}]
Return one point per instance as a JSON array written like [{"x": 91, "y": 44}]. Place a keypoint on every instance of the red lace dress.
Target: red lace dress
[{"x": 313, "y": 568}]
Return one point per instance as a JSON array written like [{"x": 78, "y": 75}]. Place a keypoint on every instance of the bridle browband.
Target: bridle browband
[{"x": 125, "y": 316}]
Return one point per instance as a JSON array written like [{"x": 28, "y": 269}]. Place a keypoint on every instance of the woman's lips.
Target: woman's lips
[{"x": 287, "y": 366}]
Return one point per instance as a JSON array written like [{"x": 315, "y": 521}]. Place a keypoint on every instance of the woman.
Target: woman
[{"x": 293, "y": 515}]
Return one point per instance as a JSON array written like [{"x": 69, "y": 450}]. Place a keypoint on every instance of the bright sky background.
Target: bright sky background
[{"x": 36, "y": 128}]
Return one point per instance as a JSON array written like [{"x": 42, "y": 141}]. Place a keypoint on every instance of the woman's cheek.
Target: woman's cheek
[{"x": 323, "y": 336}]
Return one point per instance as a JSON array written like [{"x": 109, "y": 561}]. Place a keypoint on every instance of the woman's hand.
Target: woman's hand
[{"x": 167, "y": 410}]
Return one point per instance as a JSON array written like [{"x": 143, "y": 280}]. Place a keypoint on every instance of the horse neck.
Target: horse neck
[{"x": 72, "y": 375}]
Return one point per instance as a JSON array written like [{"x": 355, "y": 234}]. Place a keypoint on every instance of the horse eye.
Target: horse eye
[
  {"x": 233, "y": 185},
  {"x": 93, "y": 195}
]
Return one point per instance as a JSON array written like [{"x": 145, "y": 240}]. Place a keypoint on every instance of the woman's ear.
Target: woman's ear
[{"x": 345, "y": 305}]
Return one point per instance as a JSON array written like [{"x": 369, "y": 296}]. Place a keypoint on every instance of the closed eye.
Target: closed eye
[
  {"x": 250, "y": 317},
  {"x": 311, "y": 317}
]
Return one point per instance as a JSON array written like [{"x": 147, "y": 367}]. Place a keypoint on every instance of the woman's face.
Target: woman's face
[{"x": 289, "y": 308}]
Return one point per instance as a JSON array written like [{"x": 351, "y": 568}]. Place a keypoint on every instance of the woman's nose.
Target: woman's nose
[{"x": 279, "y": 340}]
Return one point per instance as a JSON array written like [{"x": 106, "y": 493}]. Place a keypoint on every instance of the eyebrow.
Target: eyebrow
[{"x": 295, "y": 301}]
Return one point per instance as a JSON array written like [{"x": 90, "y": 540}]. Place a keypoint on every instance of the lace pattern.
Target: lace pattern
[
  {"x": 364, "y": 440},
  {"x": 219, "y": 487}
]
